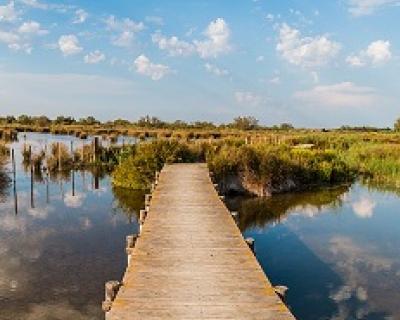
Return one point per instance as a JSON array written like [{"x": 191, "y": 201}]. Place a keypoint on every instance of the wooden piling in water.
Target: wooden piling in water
[
  {"x": 142, "y": 216},
  {"x": 251, "y": 243},
  {"x": 147, "y": 199},
  {"x": 111, "y": 290}
]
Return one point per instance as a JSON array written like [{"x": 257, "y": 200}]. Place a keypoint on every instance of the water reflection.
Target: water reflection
[
  {"x": 257, "y": 212},
  {"x": 66, "y": 241},
  {"x": 4, "y": 181},
  {"x": 337, "y": 250}
]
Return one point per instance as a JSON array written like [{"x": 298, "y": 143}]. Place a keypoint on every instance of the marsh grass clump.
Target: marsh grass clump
[
  {"x": 380, "y": 162},
  {"x": 59, "y": 157},
  {"x": 38, "y": 160},
  {"x": 274, "y": 169}
]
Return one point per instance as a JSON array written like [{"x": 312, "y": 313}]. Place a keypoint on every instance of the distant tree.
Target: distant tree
[
  {"x": 150, "y": 122},
  {"x": 179, "y": 124},
  {"x": 41, "y": 121},
  {"x": 203, "y": 124},
  {"x": 64, "y": 120},
  {"x": 286, "y": 126},
  {"x": 121, "y": 122},
  {"x": 10, "y": 119},
  {"x": 397, "y": 125},
  {"x": 244, "y": 123},
  {"x": 89, "y": 120},
  {"x": 24, "y": 119}
]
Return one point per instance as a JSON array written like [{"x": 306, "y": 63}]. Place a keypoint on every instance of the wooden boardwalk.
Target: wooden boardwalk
[{"x": 191, "y": 261}]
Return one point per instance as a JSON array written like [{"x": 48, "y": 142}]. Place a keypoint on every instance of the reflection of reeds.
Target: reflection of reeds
[
  {"x": 4, "y": 179},
  {"x": 257, "y": 212}
]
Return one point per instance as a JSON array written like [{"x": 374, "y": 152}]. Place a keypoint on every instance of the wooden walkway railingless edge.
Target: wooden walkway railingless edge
[{"x": 190, "y": 260}]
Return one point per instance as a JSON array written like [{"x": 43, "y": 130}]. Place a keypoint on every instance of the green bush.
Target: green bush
[{"x": 137, "y": 170}]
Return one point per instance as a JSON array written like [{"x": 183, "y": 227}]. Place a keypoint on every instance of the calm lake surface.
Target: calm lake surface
[
  {"x": 337, "y": 250},
  {"x": 62, "y": 243}
]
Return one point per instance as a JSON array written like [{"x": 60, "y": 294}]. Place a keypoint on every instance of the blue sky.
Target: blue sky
[{"x": 311, "y": 63}]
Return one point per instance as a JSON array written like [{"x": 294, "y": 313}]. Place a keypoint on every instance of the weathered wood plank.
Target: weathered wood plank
[{"x": 191, "y": 261}]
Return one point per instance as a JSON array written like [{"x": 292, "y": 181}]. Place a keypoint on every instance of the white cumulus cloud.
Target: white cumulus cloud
[
  {"x": 368, "y": 7},
  {"x": 32, "y": 27},
  {"x": 217, "y": 40},
  {"x": 144, "y": 66},
  {"x": 344, "y": 94},
  {"x": 80, "y": 16},
  {"x": 94, "y": 57},
  {"x": 305, "y": 51},
  {"x": 69, "y": 45},
  {"x": 377, "y": 53},
  {"x": 8, "y": 12},
  {"x": 173, "y": 45},
  {"x": 125, "y": 30},
  {"x": 8, "y": 37}
]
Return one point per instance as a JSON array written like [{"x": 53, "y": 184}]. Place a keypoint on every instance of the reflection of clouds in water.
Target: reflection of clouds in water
[
  {"x": 16, "y": 256},
  {"x": 345, "y": 292},
  {"x": 86, "y": 223},
  {"x": 364, "y": 207},
  {"x": 357, "y": 265},
  {"x": 310, "y": 211},
  {"x": 353, "y": 255},
  {"x": 76, "y": 201},
  {"x": 100, "y": 191},
  {"x": 40, "y": 212}
]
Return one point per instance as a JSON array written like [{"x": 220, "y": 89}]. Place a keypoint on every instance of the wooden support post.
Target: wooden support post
[
  {"x": 111, "y": 290},
  {"x": 235, "y": 216},
  {"x": 73, "y": 182},
  {"x": 153, "y": 187},
  {"x": 32, "y": 191},
  {"x": 96, "y": 148},
  {"x": 14, "y": 167},
  {"x": 281, "y": 292},
  {"x": 130, "y": 244},
  {"x": 147, "y": 199},
  {"x": 250, "y": 242},
  {"x": 142, "y": 216}
]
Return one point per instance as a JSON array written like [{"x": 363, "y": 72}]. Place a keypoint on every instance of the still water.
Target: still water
[
  {"x": 338, "y": 250},
  {"x": 62, "y": 242}
]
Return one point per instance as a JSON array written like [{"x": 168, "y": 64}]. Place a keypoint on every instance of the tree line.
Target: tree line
[{"x": 240, "y": 123}]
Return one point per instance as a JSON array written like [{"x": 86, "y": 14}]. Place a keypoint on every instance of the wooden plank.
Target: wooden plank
[{"x": 191, "y": 261}]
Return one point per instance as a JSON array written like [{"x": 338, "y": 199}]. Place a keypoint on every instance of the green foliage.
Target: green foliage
[
  {"x": 136, "y": 171},
  {"x": 275, "y": 165},
  {"x": 244, "y": 123}
]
